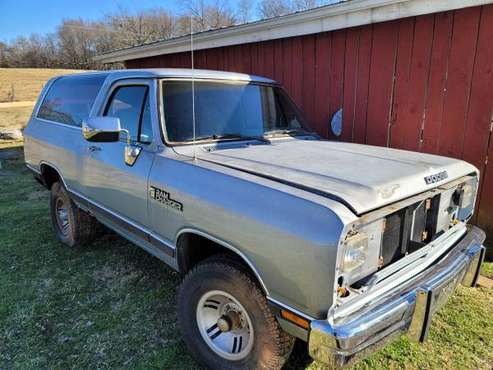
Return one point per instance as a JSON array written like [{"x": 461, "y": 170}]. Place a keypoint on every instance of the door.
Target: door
[{"x": 111, "y": 181}]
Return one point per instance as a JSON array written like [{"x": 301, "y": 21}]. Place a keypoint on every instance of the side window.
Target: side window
[
  {"x": 130, "y": 105},
  {"x": 70, "y": 98}
]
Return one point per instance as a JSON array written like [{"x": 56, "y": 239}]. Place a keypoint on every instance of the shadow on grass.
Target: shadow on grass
[
  {"x": 489, "y": 253},
  {"x": 106, "y": 305},
  {"x": 11, "y": 149}
]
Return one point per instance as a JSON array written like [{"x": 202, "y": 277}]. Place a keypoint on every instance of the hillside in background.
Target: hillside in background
[
  {"x": 22, "y": 85},
  {"x": 25, "y": 84}
]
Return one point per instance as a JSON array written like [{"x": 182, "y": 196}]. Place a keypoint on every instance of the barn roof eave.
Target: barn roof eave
[{"x": 325, "y": 18}]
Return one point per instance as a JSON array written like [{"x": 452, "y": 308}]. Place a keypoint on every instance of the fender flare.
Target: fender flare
[
  {"x": 42, "y": 164},
  {"x": 226, "y": 245}
]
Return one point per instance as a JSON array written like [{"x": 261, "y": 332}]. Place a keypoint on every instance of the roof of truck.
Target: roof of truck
[{"x": 178, "y": 73}]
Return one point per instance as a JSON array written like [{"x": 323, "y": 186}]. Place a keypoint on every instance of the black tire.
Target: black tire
[
  {"x": 271, "y": 345},
  {"x": 80, "y": 228}
]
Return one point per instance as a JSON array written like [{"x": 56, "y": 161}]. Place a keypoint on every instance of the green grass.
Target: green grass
[
  {"x": 487, "y": 270},
  {"x": 107, "y": 305},
  {"x": 111, "y": 305}
]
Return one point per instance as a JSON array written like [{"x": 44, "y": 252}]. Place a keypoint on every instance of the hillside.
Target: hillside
[{"x": 26, "y": 83}]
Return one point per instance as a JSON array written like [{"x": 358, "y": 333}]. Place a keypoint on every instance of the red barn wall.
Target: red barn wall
[{"x": 422, "y": 83}]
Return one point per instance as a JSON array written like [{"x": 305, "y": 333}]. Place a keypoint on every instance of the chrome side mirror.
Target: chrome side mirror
[
  {"x": 106, "y": 130},
  {"x": 101, "y": 129}
]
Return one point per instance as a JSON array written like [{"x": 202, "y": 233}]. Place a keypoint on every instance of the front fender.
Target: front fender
[{"x": 289, "y": 241}]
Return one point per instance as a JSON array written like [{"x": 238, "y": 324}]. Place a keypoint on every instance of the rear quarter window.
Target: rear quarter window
[{"x": 69, "y": 99}]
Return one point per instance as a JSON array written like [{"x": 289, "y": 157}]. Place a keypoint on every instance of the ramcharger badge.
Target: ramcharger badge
[
  {"x": 164, "y": 197},
  {"x": 435, "y": 178}
]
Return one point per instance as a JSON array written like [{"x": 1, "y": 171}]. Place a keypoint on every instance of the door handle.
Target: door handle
[{"x": 93, "y": 148}]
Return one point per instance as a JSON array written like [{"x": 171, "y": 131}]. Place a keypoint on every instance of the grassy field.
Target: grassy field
[
  {"x": 487, "y": 270},
  {"x": 111, "y": 305},
  {"x": 25, "y": 83},
  {"x": 15, "y": 117}
]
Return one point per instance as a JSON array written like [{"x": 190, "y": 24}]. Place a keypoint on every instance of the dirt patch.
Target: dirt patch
[
  {"x": 485, "y": 282},
  {"x": 15, "y": 117},
  {"x": 17, "y": 104}
]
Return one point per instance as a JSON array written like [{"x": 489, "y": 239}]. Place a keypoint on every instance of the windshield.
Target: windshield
[{"x": 228, "y": 111}]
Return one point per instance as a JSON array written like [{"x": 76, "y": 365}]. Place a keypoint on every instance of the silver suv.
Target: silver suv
[{"x": 279, "y": 234}]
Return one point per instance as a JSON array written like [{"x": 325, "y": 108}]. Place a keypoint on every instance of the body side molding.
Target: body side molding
[{"x": 123, "y": 222}]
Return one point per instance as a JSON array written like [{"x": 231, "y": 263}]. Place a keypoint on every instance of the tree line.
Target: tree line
[{"x": 76, "y": 41}]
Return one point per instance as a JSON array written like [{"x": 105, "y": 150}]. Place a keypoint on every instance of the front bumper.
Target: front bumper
[{"x": 408, "y": 311}]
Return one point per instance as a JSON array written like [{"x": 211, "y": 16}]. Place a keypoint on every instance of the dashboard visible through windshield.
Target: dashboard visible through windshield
[{"x": 226, "y": 110}]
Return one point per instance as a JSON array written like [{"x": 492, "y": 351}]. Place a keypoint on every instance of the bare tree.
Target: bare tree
[
  {"x": 3, "y": 55},
  {"x": 245, "y": 11},
  {"x": 51, "y": 50},
  {"x": 195, "y": 9},
  {"x": 219, "y": 14},
  {"x": 206, "y": 15},
  {"x": 305, "y": 4},
  {"x": 141, "y": 28},
  {"x": 105, "y": 38},
  {"x": 274, "y": 8},
  {"x": 77, "y": 41}
]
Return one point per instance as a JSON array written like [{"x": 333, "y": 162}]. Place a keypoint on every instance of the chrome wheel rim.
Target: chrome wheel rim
[
  {"x": 225, "y": 325},
  {"x": 62, "y": 216}
]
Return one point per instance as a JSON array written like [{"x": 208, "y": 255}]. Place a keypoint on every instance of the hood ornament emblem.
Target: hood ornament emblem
[{"x": 436, "y": 177}]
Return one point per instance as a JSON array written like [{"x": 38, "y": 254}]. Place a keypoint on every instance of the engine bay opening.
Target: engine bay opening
[{"x": 392, "y": 241}]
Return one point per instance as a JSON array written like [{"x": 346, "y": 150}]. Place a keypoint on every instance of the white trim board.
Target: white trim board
[{"x": 326, "y": 18}]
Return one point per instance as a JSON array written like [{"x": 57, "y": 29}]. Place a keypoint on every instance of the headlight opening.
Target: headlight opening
[
  {"x": 356, "y": 252},
  {"x": 465, "y": 198},
  {"x": 361, "y": 251}
]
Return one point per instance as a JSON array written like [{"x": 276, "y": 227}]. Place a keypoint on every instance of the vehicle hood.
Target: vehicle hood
[{"x": 361, "y": 176}]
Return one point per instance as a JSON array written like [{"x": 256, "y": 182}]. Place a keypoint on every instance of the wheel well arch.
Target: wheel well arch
[
  {"x": 49, "y": 174},
  {"x": 193, "y": 246}
]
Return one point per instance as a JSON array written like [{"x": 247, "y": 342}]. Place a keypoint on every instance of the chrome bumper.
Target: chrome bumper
[{"x": 408, "y": 311}]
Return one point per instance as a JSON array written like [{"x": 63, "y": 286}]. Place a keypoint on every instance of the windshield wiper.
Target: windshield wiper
[
  {"x": 233, "y": 137},
  {"x": 296, "y": 131}
]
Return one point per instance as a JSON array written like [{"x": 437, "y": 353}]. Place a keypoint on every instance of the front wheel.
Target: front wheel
[{"x": 225, "y": 320}]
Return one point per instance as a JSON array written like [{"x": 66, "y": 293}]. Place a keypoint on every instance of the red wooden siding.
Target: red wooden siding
[{"x": 422, "y": 83}]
